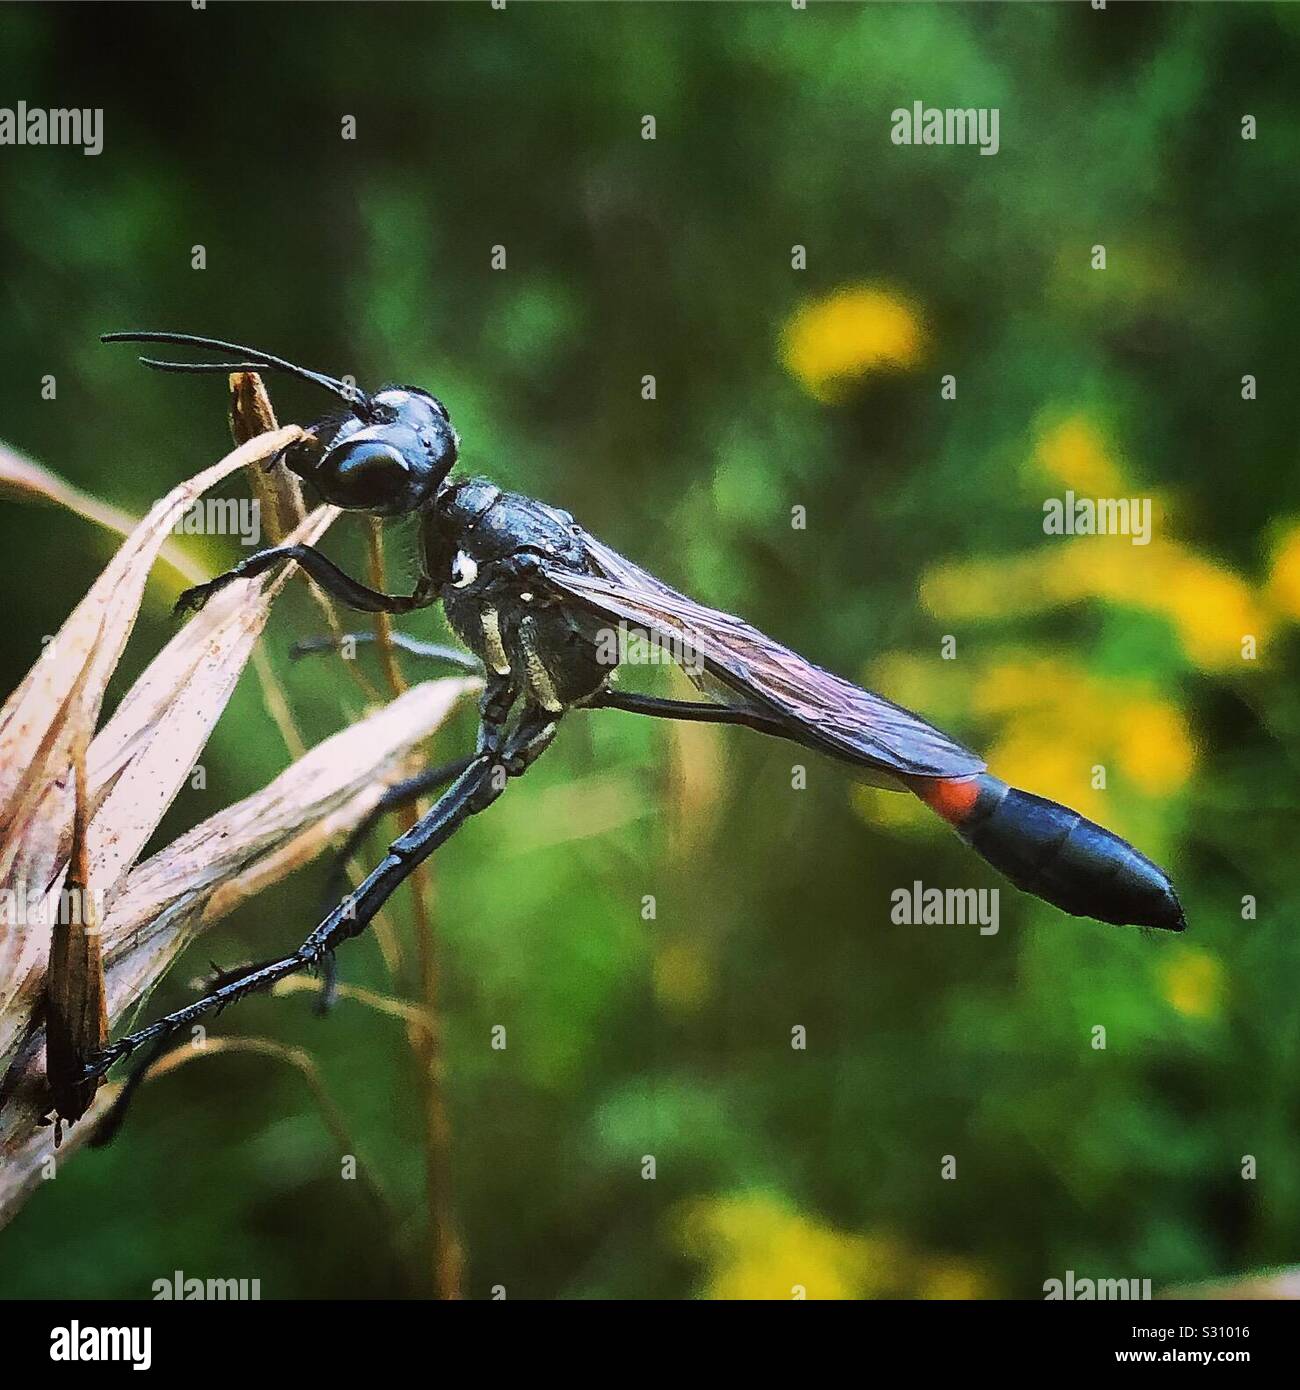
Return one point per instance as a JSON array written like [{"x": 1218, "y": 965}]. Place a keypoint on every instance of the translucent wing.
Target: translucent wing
[{"x": 823, "y": 709}]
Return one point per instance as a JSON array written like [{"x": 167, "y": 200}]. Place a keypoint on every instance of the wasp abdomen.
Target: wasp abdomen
[{"x": 1055, "y": 853}]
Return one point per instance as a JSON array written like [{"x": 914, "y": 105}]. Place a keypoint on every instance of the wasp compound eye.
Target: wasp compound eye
[{"x": 368, "y": 474}]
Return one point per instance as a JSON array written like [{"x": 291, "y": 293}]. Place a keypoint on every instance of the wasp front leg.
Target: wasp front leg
[{"x": 325, "y": 572}]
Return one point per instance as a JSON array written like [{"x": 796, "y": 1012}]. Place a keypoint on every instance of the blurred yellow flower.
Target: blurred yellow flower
[
  {"x": 829, "y": 343},
  {"x": 1193, "y": 982},
  {"x": 1284, "y": 578},
  {"x": 1154, "y": 747},
  {"x": 757, "y": 1246},
  {"x": 1059, "y": 721},
  {"x": 1210, "y": 606},
  {"x": 1055, "y": 722},
  {"x": 1074, "y": 454}
]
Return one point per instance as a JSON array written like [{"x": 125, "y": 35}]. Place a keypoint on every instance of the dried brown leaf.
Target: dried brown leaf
[
  {"x": 142, "y": 756},
  {"x": 184, "y": 888},
  {"x": 38, "y": 729},
  {"x": 60, "y": 828},
  {"x": 23, "y": 479},
  {"x": 76, "y": 1018},
  {"x": 233, "y": 855}
]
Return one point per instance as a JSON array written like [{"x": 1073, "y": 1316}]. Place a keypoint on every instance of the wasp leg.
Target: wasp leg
[
  {"x": 413, "y": 646},
  {"x": 499, "y": 694},
  {"x": 325, "y": 572},
  {"x": 394, "y": 798},
  {"x": 695, "y": 710},
  {"x": 483, "y": 780}
]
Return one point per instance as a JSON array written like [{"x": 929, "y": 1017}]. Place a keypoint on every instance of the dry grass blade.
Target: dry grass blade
[
  {"x": 76, "y": 1016},
  {"x": 63, "y": 693},
  {"x": 142, "y": 756},
  {"x": 233, "y": 855},
  {"x": 24, "y": 480},
  {"x": 410, "y": 1014},
  {"x": 203, "y": 874},
  {"x": 89, "y": 645}
]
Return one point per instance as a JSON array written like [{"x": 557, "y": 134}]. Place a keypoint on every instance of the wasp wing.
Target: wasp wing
[{"x": 823, "y": 710}]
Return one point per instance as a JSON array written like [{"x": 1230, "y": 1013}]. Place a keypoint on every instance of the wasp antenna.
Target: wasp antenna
[
  {"x": 355, "y": 397},
  {"x": 160, "y": 366}
]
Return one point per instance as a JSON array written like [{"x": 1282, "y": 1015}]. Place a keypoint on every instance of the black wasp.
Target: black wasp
[{"x": 534, "y": 595}]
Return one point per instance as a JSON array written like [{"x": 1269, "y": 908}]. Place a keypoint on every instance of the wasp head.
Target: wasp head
[
  {"x": 388, "y": 454},
  {"x": 389, "y": 457}
]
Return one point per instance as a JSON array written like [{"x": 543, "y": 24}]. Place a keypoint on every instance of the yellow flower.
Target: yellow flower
[
  {"x": 1155, "y": 751},
  {"x": 756, "y": 1246},
  {"x": 1058, "y": 721},
  {"x": 1284, "y": 580},
  {"x": 1193, "y": 982},
  {"x": 829, "y": 343},
  {"x": 1210, "y": 606},
  {"x": 1074, "y": 454}
]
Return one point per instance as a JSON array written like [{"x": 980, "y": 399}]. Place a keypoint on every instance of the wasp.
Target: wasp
[{"x": 533, "y": 595}]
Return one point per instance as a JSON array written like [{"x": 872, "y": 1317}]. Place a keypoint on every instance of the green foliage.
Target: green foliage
[{"x": 626, "y": 257}]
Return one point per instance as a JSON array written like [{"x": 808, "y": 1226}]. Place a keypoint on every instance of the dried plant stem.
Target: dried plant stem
[
  {"x": 410, "y": 1014},
  {"x": 444, "y": 1250},
  {"x": 280, "y": 498},
  {"x": 426, "y": 1044},
  {"x": 277, "y": 703},
  {"x": 383, "y": 621}
]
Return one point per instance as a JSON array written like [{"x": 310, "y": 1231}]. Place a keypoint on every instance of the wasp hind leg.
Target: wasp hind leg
[
  {"x": 395, "y": 798},
  {"x": 694, "y": 711},
  {"x": 474, "y": 790}
]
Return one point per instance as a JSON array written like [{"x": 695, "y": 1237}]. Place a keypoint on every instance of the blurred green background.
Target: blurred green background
[{"x": 775, "y": 388}]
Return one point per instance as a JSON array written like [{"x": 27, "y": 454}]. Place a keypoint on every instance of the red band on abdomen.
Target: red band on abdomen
[{"x": 952, "y": 799}]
